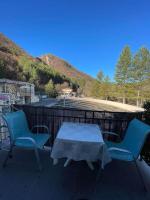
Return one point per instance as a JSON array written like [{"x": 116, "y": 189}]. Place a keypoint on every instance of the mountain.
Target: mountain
[
  {"x": 7, "y": 46},
  {"x": 10, "y": 59},
  {"x": 64, "y": 67},
  {"x": 17, "y": 64}
]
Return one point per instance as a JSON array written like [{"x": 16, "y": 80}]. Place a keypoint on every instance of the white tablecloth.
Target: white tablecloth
[{"x": 79, "y": 141}]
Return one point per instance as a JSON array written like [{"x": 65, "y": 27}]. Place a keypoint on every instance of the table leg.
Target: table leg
[
  {"x": 67, "y": 162},
  {"x": 90, "y": 165}
]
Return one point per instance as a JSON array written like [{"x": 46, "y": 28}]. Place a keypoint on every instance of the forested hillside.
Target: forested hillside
[
  {"x": 16, "y": 64},
  {"x": 66, "y": 69}
]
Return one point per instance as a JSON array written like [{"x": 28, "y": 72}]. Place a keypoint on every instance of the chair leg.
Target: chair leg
[
  {"x": 90, "y": 165},
  {"x": 68, "y": 161},
  {"x": 38, "y": 159},
  {"x": 9, "y": 155},
  {"x": 141, "y": 177}
]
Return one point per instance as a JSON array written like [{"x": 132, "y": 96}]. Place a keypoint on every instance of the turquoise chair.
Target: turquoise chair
[
  {"x": 21, "y": 136},
  {"x": 130, "y": 148}
]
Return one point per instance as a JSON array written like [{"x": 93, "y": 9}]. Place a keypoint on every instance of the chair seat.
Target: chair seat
[
  {"x": 117, "y": 154},
  {"x": 40, "y": 139}
]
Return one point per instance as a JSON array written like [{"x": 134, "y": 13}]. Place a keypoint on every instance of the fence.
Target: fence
[
  {"x": 4, "y": 135},
  {"x": 53, "y": 118},
  {"x": 108, "y": 121}
]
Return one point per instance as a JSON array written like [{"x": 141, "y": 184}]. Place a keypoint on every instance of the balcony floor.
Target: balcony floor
[{"x": 21, "y": 180}]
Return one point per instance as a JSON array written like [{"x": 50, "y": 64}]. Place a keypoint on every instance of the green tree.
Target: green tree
[
  {"x": 96, "y": 89},
  {"x": 102, "y": 86},
  {"x": 50, "y": 89},
  {"x": 106, "y": 87},
  {"x": 141, "y": 71},
  {"x": 123, "y": 70},
  {"x": 100, "y": 76},
  {"x": 26, "y": 63}
]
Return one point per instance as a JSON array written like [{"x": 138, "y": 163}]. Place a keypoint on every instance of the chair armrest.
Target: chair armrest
[
  {"x": 41, "y": 126},
  {"x": 110, "y": 133},
  {"x": 120, "y": 150},
  {"x": 27, "y": 138}
]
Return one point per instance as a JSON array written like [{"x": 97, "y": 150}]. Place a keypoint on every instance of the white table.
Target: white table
[{"x": 80, "y": 141}]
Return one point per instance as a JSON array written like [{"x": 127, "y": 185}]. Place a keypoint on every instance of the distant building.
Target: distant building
[
  {"x": 66, "y": 92},
  {"x": 12, "y": 92}
]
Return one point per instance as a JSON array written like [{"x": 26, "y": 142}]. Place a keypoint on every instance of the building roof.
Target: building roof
[{"x": 8, "y": 81}]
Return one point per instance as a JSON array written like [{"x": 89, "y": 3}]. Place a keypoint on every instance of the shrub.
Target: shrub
[{"x": 50, "y": 89}]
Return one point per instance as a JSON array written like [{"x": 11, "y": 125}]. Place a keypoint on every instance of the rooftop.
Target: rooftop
[
  {"x": 8, "y": 81},
  {"x": 21, "y": 180}
]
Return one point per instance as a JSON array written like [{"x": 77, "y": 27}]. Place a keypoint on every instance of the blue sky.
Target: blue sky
[{"x": 90, "y": 34}]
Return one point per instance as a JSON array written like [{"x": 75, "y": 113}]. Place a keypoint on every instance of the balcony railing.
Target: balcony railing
[{"x": 108, "y": 121}]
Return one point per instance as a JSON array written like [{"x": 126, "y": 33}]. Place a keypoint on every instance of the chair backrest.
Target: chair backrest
[
  {"x": 17, "y": 124},
  {"x": 135, "y": 137}
]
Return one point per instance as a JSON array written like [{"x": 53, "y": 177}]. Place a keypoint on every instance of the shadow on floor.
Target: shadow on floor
[{"x": 21, "y": 180}]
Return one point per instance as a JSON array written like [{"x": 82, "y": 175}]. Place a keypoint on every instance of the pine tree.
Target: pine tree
[
  {"x": 141, "y": 71},
  {"x": 96, "y": 89},
  {"x": 123, "y": 70},
  {"x": 106, "y": 87},
  {"x": 100, "y": 76},
  {"x": 141, "y": 65}
]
